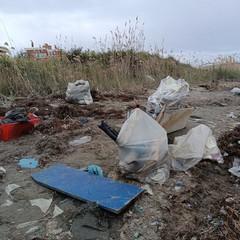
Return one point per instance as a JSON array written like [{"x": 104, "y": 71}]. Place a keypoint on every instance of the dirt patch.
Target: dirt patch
[{"x": 202, "y": 203}]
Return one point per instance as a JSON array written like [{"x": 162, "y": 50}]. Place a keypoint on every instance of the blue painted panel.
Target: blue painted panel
[{"x": 111, "y": 195}]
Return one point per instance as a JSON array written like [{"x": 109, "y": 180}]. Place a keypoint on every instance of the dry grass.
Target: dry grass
[{"x": 119, "y": 63}]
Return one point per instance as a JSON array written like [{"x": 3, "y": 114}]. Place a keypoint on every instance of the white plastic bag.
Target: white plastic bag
[
  {"x": 143, "y": 145},
  {"x": 169, "y": 92},
  {"x": 79, "y": 92},
  {"x": 197, "y": 144}
]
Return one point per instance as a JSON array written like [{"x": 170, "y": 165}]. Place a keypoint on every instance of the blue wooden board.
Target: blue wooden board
[{"x": 111, "y": 195}]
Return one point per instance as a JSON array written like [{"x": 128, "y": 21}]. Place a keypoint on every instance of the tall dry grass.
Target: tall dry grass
[{"x": 118, "y": 63}]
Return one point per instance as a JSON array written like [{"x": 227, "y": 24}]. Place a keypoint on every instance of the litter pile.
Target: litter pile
[{"x": 65, "y": 176}]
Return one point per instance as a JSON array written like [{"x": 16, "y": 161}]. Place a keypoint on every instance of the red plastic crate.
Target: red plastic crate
[{"x": 9, "y": 131}]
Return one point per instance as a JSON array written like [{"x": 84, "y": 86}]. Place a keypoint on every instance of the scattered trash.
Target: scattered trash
[
  {"x": 169, "y": 92},
  {"x": 57, "y": 211},
  {"x": 26, "y": 224},
  {"x": 2, "y": 173},
  {"x": 140, "y": 152},
  {"x": 79, "y": 92},
  {"x": 111, "y": 195},
  {"x": 33, "y": 229},
  {"x": 148, "y": 189},
  {"x": 10, "y": 188},
  {"x": 28, "y": 163},
  {"x": 7, "y": 203},
  {"x": 179, "y": 186},
  {"x": 230, "y": 200},
  {"x": 199, "y": 143},
  {"x": 2, "y": 169},
  {"x": 137, "y": 234},
  {"x": 139, "y": 208},
  {"x": 42, "y": 203},
  {"x": 231, "y": 115},
  {"x": 112, "y": 133},
  {"x": 215, "y": 222},
  {"x": 155, "y": 223},
  {"x": 225, "y": 154},
  {"x": 235, "y": 170},
  {"x": 83, "y": 122},
  {"x": 80, "y": 141},
  {"x": 15, "y": 116},
  {"x": 236, "y": 91},
  {"x": 93, "y": 169},
  {"x": 161, "y": 175}
]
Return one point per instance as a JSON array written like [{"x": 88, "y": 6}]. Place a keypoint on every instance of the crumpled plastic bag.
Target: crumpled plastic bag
[
  {"x": 187, "y": 150},
  {"x": 169, "y": 92},
  {"x": 142, "y": 146},
  {"x": 236, "y": 91},
  {"x": 79, "y": 92}
]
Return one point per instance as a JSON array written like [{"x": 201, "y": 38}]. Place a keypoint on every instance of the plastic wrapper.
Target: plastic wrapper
[
  {"x": 79, "y": 92},
  {"x": 143, "y": 146}
]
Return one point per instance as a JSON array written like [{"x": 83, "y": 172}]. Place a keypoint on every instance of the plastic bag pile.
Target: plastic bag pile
[
  {"x": 79, "y": 92},
  {"x": 142, "y": 147},
  {"x": 169, "y": 92}
]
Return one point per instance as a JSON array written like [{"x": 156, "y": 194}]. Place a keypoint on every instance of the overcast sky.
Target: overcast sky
[{"x": 202, "y": 26}]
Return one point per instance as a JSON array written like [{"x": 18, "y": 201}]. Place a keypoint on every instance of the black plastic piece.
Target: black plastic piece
[{"x": 113, "y": 134}]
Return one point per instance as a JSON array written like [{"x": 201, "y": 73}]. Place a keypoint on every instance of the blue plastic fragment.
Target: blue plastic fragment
[
  {"x": 94, "y": 169},
  {"x": 28, "y": 163}
]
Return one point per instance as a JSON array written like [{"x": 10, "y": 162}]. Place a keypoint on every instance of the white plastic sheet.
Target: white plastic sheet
[
  {"x": 199, "y": 143},
  {"x": 79, "y": 92},
  {"x": 42, "y": 203},
  {"x": 143, "y": 145},
  {"x": 169, "y": 92}
]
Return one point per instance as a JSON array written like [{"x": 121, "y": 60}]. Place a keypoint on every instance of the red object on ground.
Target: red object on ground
[{"x": 9, "y": 131}]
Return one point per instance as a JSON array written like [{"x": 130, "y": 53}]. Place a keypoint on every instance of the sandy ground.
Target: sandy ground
[{"x": 202, "y": 203}]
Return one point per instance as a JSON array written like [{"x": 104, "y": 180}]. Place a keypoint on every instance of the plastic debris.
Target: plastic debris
[
  {"x": 160, "y": 176},
  {"x": 83, "y": 121},
  {"x": 179, "y": 186},
  {"x": 79, "y": 92},
  {"x": 199, "y": 143},
  {"x": 236, "y": 91},
  {"x": 235, "y": 170},
  {"x": 28, "y": 163},
  {"x": 112, "y": 133},
  {"x": 57, "y": 211},
  {"x": 3, "y": 170},
  {"x": 42, "y": 203},
  {"x": 141, "y": 153},
  {"x": 7, "y": 203},
  {"x": 148, "y": 189},
  {"x": 80, "y": 141},
  {"x": 22, "y": 225},
  {"x": 10, "y": 188},
  {"x": 33, "y": 229},
  {"x": 231, "y": 115},
  {"x": 139, "y": 208},
  {"x": 169, "y": 92},
  {"x": 94, "y": 169}
]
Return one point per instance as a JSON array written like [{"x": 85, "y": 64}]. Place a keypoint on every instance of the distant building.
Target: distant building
[{"x": 45, "y": 52}]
